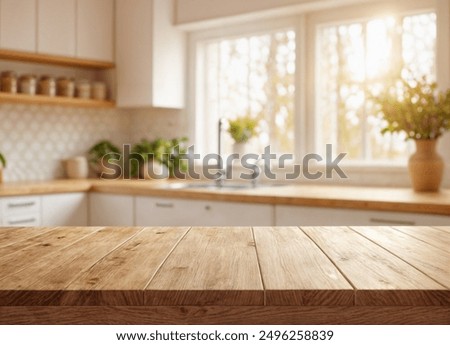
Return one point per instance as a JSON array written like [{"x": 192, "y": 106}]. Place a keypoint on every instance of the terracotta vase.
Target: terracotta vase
[{"x": 426, "y": 167}]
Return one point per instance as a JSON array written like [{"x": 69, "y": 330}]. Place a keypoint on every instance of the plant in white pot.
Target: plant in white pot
[
  {"x": 162, "y": 158},
  {"x": 242, "y": 129},
  {"x": 103, "y": 154},
  {"x": 419, "y": 110},
  {"x": 2, "y": 166}
]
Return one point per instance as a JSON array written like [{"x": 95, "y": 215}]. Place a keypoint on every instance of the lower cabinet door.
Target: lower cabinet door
[
  {"x": 324, "y": 216},
  {"x": 111, "y": 210},
  {"x": 150, "y": 211},
  {"x": 68, "y": 209},
  {"x": 31, "y": 219}
]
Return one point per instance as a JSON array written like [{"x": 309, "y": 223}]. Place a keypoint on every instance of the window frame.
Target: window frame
[
  {"x": 195, "y": 71},
  {"x": 306, "y": 26},
  {"x": 360, "y": 13}
]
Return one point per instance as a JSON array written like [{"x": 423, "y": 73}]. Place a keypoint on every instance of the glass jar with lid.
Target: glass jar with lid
[
  {"x": 65, "y": 87},
  {"x": 8, "y": 81},
  {"x": 47, "y": 86},
  {"x": 27, "y": 84},
  {"x": 83, "y": 89},
  {"x": 99, "y": 91}
]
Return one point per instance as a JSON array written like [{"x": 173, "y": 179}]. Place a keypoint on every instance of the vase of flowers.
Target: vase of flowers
[
  {"x": 419, "y": 110},
  {"x": 242, "y": 130}
]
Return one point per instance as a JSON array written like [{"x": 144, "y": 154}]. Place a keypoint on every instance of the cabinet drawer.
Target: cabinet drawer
[
  {"x": 326, "y": 216},
  {"x": 33, "y": 219},
  {"x": 21, "y": 205},
  {"x": 180, "y": 212}
]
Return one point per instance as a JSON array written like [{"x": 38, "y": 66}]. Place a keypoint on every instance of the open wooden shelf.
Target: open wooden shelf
[
  {"x": 54, "y": 60},
  {"x": 61, "y": 101}
]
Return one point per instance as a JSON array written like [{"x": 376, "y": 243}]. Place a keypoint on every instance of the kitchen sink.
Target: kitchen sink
[{"x": 213, "y": 186}]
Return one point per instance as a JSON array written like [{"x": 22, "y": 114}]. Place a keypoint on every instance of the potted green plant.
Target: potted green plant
[
  {"x": 162, "y": 158},
  {"x": 2, "y": 166},
  {"x": 242, "y": 129},
  {"x": 101, "y": 155},
  {"x": 419, "y": 110}
]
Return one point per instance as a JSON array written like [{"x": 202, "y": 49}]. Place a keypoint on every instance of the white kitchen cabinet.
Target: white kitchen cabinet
[
  {"x": 95, "y": 29},
  {"x": 21, "y": 211},
  {"x": 18, "y": 25},
  {"x": 56, "y": 29},
  {"x": 323, "y": 216},
  {"x": 111, "y": 210},
  {"x": 68, "y": 209},
  {"x": 151, "y": 211},
  {"x": 150, "y": 55}
]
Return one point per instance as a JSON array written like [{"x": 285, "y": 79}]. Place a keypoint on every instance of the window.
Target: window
[
  {"x": 248, "y": 75},
  {"x": 355, "y": 61}
]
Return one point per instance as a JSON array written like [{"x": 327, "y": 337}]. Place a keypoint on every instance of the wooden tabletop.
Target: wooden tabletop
[
  {"x": 340, "y": 196},
  {"x": 239, "y": 266}
]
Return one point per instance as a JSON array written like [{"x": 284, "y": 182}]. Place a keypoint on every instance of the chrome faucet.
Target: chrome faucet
[{"x": 221, "y": 170}]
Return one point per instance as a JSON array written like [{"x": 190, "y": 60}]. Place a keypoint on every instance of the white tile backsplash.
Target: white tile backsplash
[{"x": 35, "y": 139}]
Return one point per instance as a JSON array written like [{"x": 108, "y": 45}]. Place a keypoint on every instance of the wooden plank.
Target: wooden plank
[
  {"x": 430, "y": 260},
  {"x": 428, "y": 234},
  {"x": 44, "y": 187},
  {"x": 9, "y": 236},
  {"x": 120, "y": 278},
  {"x": 443, "y": 228},
  {"x": 225, "y": 315},
  {"x": 57, "y": 100},
  {"x": 381, "y": 278},
  {"x": 18, "y": 255},
  {"x": 44, "y": 281},
  {"x": 14, "y": 55},
  {"x": 211, "y": 266},
  {"x": 296, "y": 272}
]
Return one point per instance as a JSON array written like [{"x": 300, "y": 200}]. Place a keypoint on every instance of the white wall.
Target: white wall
[{"x": 191, "y": 13}]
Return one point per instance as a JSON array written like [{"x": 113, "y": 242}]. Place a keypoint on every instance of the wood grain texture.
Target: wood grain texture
[
  {"x": 372, "y": 198},
  {"x": 211, "y": 266},
  {"x": 427, "y": 234},
  {"x": 43, "y": 281},
  {"x": 9, "y": 236},
  {"x": 370, "y": 267},
  {"x": 44, "y": 187},
  {"x": 19, "y": 255},
  {"x": 14, "y": 55},
  {"x": 351, "y": 197},
  {"x": 296, "y": 272},
  {"x": 226, "y": 315},
  {"x": 432, "y": 261},
  {"x": 121, "y": 277},
  {"x": 60, "y": 101},
  {"x": 443, "y": 228}
]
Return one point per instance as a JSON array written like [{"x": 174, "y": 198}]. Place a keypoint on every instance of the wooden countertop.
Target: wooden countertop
[
  {"x": 219, "y": 271},
  {"x": 373, "y": 198}
]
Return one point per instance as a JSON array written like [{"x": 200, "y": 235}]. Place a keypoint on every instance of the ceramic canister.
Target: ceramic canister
[{"x": 77, "y": 167}]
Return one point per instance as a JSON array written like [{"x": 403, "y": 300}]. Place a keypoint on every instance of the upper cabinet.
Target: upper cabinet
[
  {"x": 18, "y": 25},
  {"x": 56, "y": 27},
  {"x": 76, "y": 29},
  {"x": 95, "y": 28},
  {"x": 150, "y": 55}
]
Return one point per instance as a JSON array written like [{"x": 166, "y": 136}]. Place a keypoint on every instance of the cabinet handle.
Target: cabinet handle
[
  {"x": 22, "y": 221},
  {"x": 164, "y": 204},
  {"x": 22, "y": 204},
  {"x": 207, "y": 207},
  {"x": 390, "y": 221}
]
